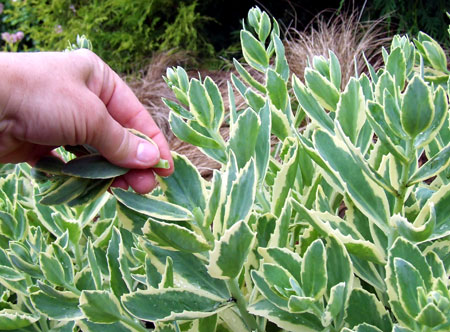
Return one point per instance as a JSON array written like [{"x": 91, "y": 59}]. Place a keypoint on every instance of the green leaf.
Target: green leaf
[
  {"x": 169, "y": 304},
  {"x": 263, "y": 142},
  {"x": 247, "y": 77},
  {"x": 11, "y": 274},
  {"x": 339, "y": 265},
  {"x": 392, "y": 115},
  {"x": 100, "y": 306},
  {"x": 61, "y": 306},
  {"x": 285, "y": 178},
  {"x": 280, "y": 124},
  {"x": 281, "y": 65},
  {"x": 396, "y": 66},
  {"x": 188, "y": 269},
  {"x": 264, "y": 27},
  {"x": 435, "y": 55},
  {"x": 336, "y": 303},
  {"x": 66, "y": 262},
  {"x": 283, "y": 257},
  {"x": 65, "y": 192},
  {"x": 365, "y": 193},
  {"x": 335, "y": 70},
  {"x": 88, "y": 326},
  {"x": 242, "y": 195},
  {"x": 217, "y": 101},
  {"x": 417, "y": 110},
  {"x": 93, "y": 167},
  {"x": 299, "y": 304},
  {"x": 231, "y": 251},
  {"x": 94, "y": 267},
  {"x": 170, "y": 236},
  {"x": 432, "y": 167},
  {"x": 406, "y": 251},
  {"x": 408, "y": 280},
  {"x": 375, "y": 116},
  {"x": 415, "y": 234},
  {"x": 326, "y": 93},
  {"x": 277, "y": 91},
  {"x": 185, "y": 187},
  {"x": 304, "y": 322},
  {"x": 49, "y": 164},
  {"x": 268, "y": 292},
  {"x": 311, "y": 106},
  {"x": 441, "y": 201},
  {"x": 243, "y": 135},
  {"x": 440, "y": 117},
  {"x": 151, "y": 207},
  {"x": 253, "y": 51},
  {"x": 350, "y": 110},
  {"x": 200, "y": 103},
  {"x": 177, "y": 108},
  {"x": 431, "y": 316},
  {"x": 186, "y": 133},
  {"x": 374, "y": 312},
  {"x": 208, "y": 324},
  {"x": 52, "y": 269},
  {"x": 314, "y": 273},
  {"x": 14, "y": 320},
  {"x": 117, "y": 282}
]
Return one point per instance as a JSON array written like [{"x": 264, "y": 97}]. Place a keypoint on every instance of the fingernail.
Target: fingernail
[{"x": 147, "y": 153}]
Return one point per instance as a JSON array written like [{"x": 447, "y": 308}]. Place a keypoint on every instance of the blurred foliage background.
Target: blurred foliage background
[{"x": 126, "y": 33}]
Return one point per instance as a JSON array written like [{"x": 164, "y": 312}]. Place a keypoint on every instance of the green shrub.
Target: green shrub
[
  {"x": 330, "y": 211},
  {"x": 125, "y": 33}
]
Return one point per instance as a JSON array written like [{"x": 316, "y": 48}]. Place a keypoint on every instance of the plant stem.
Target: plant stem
[
  {"x": 262, "y": 200},
  {"x": 400, "y": 199},
  {"x": 241, "y": 303},
  {"x": 133, "y": 324},
  {"x": 43, "y": 324}
]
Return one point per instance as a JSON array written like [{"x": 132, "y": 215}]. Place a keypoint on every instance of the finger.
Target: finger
[
  {"x": 127, "y": 110},
  {"x": 141, "y": 180},
  {"x": 117, "y": 144}
]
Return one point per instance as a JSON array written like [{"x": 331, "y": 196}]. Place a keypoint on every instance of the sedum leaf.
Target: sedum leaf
[
  {"x": 350, "y": 110},
  {"x": 151, "y": 207},
  {"x": 93, "y": 166},
  {"x": 417, "y": 110},
  {"x": 200, "y": 103},
  {"x": 185, "y": 187},
  {"x": 408, "y": 280},
  {"x": 16, "y": 320},
  {"x": 253, "y": 51},
  {"x": 100, "y": 306},
  {"x": 172, "y": 303},
  {"x": 58, "y": 305},
  {"x": 314, "y": 273},
  {"x": 324, "y": 92},
  {"x": 230, "y": 252},
  {"x": 171, "y": 236},
  {"x": 186, "y": 133},
  {"x": 304, "y": 322},
  {"x": 374, "y": 312}
]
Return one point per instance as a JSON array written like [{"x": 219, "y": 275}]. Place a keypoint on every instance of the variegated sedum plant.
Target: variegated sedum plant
[{"x": 330, "y": 212}]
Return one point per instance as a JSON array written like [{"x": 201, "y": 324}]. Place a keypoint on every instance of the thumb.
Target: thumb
[{"x": 121, "y": 147}]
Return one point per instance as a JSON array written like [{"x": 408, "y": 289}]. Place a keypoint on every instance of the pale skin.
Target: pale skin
[{"x": 54, "y": 99}]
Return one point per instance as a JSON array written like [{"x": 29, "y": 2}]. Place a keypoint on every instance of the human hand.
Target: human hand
[{"x": 53, "y": 99}]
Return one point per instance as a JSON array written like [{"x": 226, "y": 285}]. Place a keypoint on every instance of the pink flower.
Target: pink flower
[
  {"x": 19, "y": 35},
  {"x": 6, "y": 37}
]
